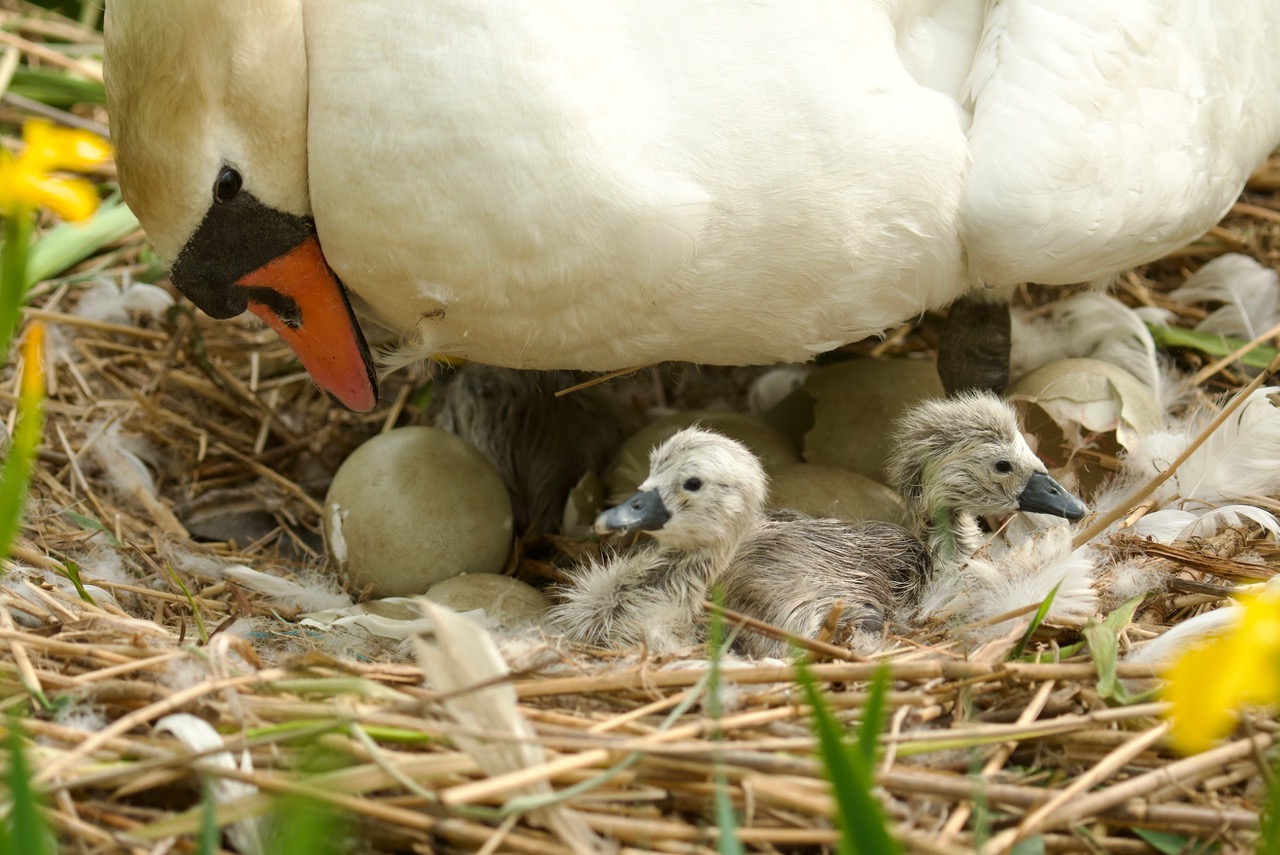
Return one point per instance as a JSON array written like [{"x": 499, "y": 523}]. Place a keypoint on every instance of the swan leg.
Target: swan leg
[
  {"x": 974, "y": 350},
  {"x": 540, "y": 444}
]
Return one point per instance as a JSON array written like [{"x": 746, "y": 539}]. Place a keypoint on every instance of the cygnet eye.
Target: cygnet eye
[
  {"x": 1004, "y": 466},
  {"x": 693, "y": 485},
  {"x": 227, "y": 186}
]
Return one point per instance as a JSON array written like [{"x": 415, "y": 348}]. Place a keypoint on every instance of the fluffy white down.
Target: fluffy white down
[
  {"x": 1240, "y": 459},
  {"x": 120, "y": 303},
  {"x": 1086, "y": 325},
  {"x": 1022, "y": 575},
  {"x": 1216, "y": 485},
  {"x": 315, "y": 592},
  {"x": 1249, "y": 294},
  {"x": 123, "y": 458}
]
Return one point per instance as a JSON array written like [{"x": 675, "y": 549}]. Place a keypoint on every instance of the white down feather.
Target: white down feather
[
  {"x": 1239, "y": 460},
  {"x": 1093, "y": 326},
  {"x": 1248, "y": 291},
  {"x": 1021, "y": 575}
]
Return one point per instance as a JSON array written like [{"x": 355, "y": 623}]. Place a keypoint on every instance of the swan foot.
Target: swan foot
[{"x": 974, "y": 350}]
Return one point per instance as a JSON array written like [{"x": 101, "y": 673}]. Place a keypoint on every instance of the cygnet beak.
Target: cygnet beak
[
  {"x": 642, "y": 512},
  {"x": 1043, "y": 495}
]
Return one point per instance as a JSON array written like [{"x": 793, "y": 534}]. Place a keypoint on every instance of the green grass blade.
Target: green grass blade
[
  {"x": 1212, "y": 344},
  {"x": 191, "y": 601},
  {"x": 307, "y": 827},
  {"x": 1269, "y": 839},
  {"x": 1104, "y": 647},
  {"x": 210, "y": 835},
  {"x": 14, "y": 253},
  {"x": 1168, "y": 843},
  {"x": 1036, "y": 620},
  {"x": 980, "y": 818},
  {"x": 72, "y": 571},
  {"x": 872, "y": 724},
  {"x": 726, "y": 820},
  {"x": 26, "y": 832},
  {"x": 67, "y": 244},
  {"x": 1119, "y": 619},
  {"x": 56, "y": 89},
  {"x": 1031, "y": 846},
  {"x": 90, "y": 524},
  {"x": 715, "y": 649},
  {"x": 15, "y": 475},
  {"x": 858, "y": 812}
]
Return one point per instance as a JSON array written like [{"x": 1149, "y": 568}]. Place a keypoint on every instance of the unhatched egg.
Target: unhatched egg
[{"x": 413, "y": 507}]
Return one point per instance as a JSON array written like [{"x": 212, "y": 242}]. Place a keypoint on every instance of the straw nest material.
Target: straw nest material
[{"x": 166, "y": 430}]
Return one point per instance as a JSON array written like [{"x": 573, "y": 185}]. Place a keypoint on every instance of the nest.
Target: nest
[{"x": 175, "y": 444}]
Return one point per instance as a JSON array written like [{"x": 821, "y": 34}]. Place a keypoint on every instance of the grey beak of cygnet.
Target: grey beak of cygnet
[
  {"x": 642, "y": 512},
  {"x": 1043, "y": 495}
]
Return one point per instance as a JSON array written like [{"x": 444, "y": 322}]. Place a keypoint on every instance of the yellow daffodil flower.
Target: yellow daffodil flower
[
  {"x": 26, "y": 182},
  {"x": 1207, "y": 685},
  {"x": 15, "y": 472},
  {"x": 31, "y": 392}
]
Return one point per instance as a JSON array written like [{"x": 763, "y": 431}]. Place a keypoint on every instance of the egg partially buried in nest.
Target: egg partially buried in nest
[
  {"x": 508, "y": 603},
  {"x": 630, "y": 465},
  {"x": 825, "y": 491},
  {"x": 414, "y": 507}
]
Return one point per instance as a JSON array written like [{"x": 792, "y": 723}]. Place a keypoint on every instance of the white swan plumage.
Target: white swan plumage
[{"x": 599, "y": 185}]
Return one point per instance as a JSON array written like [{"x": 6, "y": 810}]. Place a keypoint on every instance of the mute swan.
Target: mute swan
[
  {"x": 703, "y": 504},
  {"x": 599, "y": 185}
]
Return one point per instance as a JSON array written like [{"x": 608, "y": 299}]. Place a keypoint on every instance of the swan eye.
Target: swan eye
[
  {"x": 693, "y": 485},
  {"x": 227, "y": 186},
  {"x": 1004, "y": 466}
]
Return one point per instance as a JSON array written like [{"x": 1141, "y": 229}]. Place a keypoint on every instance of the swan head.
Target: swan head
[
  {"x": 704, "y": 491},
  {"x": 208, "y": 104},
  {"x": 966, "y": 454}
]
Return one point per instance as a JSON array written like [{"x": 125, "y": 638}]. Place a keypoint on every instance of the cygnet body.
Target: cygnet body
[
  {"x": 704, "y": 493},
  {"x": 955, "y": 460}
]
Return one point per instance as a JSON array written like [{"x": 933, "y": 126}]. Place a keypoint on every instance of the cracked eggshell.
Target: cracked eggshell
[
  {"x": 582, "y": 505},
  {"x": 413, "y": 507},
  {"x": 507, "y": 602},
  {"x": 824, "y": 491},
  {"x": 856, "y": 404},
  {"x": 1095, "y": 395},
  {"x": 630, "y": 465}
]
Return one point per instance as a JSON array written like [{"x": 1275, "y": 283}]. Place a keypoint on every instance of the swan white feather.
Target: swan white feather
[
  {"x": 599, "y": 185},
  {"x": 1248, "y": 291}
]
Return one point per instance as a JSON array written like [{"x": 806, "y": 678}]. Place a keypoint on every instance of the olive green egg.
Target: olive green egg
[
  {"x": 825, "y": 491},
  {"x": 630, "y": 465},
  {"x": 413, "y": 507},
  {"x": 856, "y": 405},
  {"x": 507, "y": 602}
]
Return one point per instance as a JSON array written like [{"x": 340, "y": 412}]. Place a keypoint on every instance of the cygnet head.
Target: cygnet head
[
  {"x": 704, "y": 491},
  {"x": 966, "y": 454}
]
